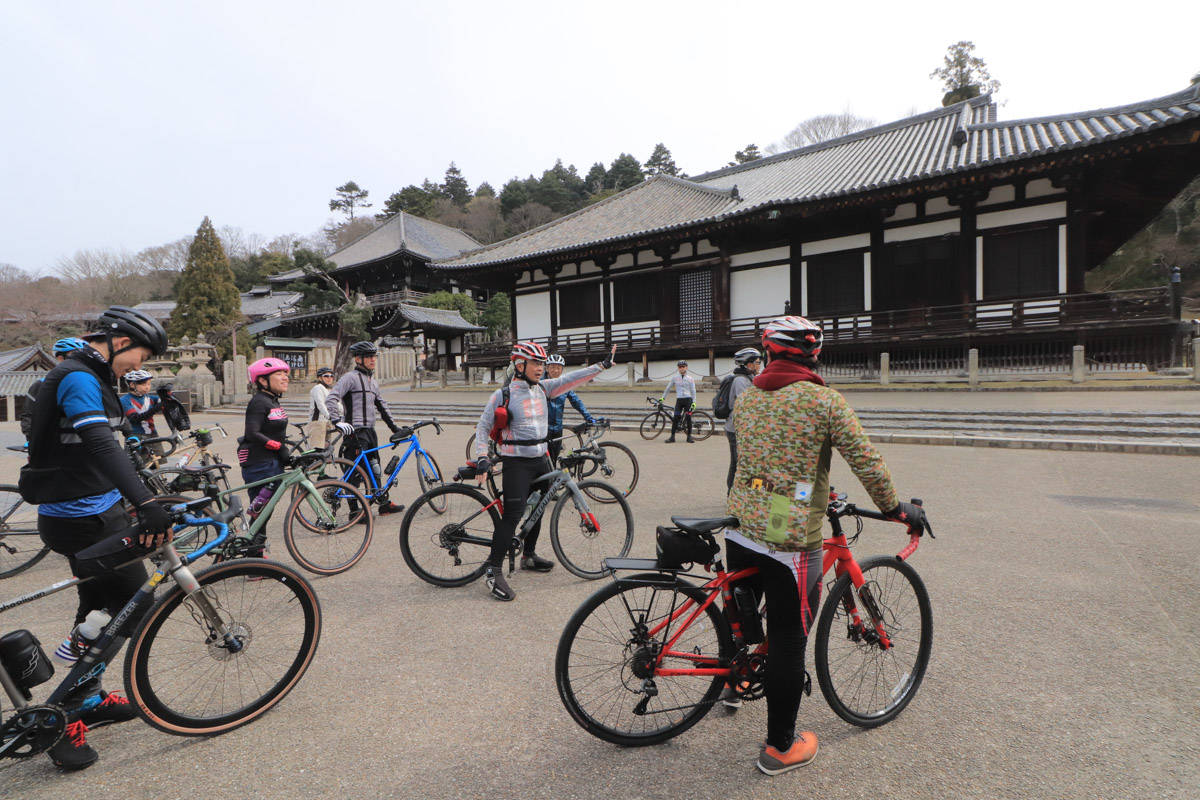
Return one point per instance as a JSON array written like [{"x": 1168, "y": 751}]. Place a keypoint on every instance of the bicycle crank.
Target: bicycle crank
[{"x": 33, "y": 730}]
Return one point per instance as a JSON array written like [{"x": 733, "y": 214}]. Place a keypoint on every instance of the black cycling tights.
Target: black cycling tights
[
  {"x": 519, "y": 480},
  {"x": 789, "y": 619}
]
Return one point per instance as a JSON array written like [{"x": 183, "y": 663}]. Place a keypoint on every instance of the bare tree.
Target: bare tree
[
  {"x": 107, "y": 277},
  {"x": 340, "y": 234},
  {"x": 820, "y": 128},
  {"x": 529, "y": 216},
  {"x": 170, "y": 257}
]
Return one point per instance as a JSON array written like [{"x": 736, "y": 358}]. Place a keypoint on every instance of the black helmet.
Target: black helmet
[
  {"x": 124, "y": 321},
  {"x": 364, "y": 349},
  {"x": 324, "y": 371}
]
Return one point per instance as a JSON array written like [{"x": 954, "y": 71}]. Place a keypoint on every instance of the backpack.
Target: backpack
[
  {"x": 501, "y": 419},
  {"x": 722, "y": 405}
]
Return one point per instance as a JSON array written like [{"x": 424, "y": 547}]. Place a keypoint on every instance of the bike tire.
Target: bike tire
[
  {"x": 20, "y": 545},
  {"x": 600, "y": 646},
  {"x": 471, "y": 448},
  {"x": 864, "y": 685},
  {"x": 703, "y": 425},
  {"x": 652, "y": 425},
  {"x": 430, "y": 476},
  {"x": 181, "y": 681},
  {"x": 625, "y": 470},
  {"x": 329, "y": 544},
  {"x": 581, "y": 550},
  {"x": 431, "y": 541}
]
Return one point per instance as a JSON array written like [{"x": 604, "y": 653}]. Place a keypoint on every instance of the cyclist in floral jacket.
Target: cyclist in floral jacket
[{"x": 787, "y": 424}]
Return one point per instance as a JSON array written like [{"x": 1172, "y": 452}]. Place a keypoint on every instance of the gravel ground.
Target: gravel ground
[{"x": 1063, "y": 662}]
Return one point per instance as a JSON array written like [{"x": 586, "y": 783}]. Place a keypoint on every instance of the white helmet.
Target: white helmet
[
  {"x": 137, "y": 376},
  {"x": 744, "y": 356},
  {"x": 556, "y": 359}
]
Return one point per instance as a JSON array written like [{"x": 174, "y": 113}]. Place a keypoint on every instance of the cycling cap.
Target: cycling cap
[
  {"x": 528, "y": 351},
  {"x": 324, "y": 371},
  {"x": 744, "y": 356},
  {"x": 264, "y": 367},
  {"x": 68, "y": 345},
  {"x": 792, "y": 336},
  {"x": 137, "y": 376},
  {"x": 142, "y": 330},
  {"x": 364, "y": 349},
  {"x": 556, "y": 359}
]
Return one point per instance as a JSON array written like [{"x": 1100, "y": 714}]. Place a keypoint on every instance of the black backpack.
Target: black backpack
[{"x": 722, "y": 405}]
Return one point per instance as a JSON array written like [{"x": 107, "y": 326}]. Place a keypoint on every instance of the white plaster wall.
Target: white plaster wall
[
  {"x": 856, "y": 241},
  {"x": 904, "y": 211},
  {"x": 704, "y": 246},
  {"x": 1062, "y": 259},
  {"x": 1000, "y": 194},
  {"x": 564, "y": 332},
  {"x": 625, "y": 326},
  {"x": 938, "y": 205},
  {"x": 759, "y": 292},
  {"x": 760, "y": 256},
  {"x": 588, "y": 268},
  {"x": 1020, "y": 216},
  {"x": 1041, "y": 188},
  {"x": 533, "y": 315},
  {"x": 925, "y": 231}
]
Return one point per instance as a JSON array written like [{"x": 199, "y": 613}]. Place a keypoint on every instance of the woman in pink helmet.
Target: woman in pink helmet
[{"x": 266, "y": 432}]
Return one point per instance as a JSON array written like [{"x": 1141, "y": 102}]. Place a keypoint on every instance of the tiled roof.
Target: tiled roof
[
  {"x": 958, "y": 138},
  {"x": 253, "y": 305},
  {"x": 404, "y": 233},
  {"x": 442, "y": 318},
  {"x": 11, "y": 360},
  {"x": 17, "y": 382}
]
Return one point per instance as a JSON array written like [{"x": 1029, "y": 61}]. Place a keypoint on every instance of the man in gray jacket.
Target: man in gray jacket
[{"x": 746, "y": 364}]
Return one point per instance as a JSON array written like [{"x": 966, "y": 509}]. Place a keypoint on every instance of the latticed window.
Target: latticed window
[
  {"x": 695, "y": 303},
  {"x": 835, "y": 284}
]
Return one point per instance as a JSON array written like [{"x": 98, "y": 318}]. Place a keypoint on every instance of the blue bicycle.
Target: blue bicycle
[{"x": 429, "y": 475}]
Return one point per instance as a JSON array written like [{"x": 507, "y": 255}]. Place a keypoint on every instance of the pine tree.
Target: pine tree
[
  {"x": 661, "y": 162},
  {"x": 624, "y": 172},
  {"x": 456, "y": 187},
  {"x": 350, "y": 196},
  {"x": 208, "y": 301},
  {"x": 751, "y": 153}
]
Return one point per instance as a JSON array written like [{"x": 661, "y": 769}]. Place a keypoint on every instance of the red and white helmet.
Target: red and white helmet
[
  {"x": 792, "y": 335},
  {"x": 528, "y": 351},
  {"x": 264, "y": 367}
]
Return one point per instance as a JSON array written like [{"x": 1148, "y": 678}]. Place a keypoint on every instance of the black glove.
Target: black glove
[
  {"x": 153, "y": 518},
  {"x": 912, "y": 515},
  {"x": 607, "y": 362},
  {"x": 483, "y": 465}
]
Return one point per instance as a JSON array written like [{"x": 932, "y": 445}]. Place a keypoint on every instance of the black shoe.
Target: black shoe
[
  {"x": 497, "y": 584},
  {"x": 534, "y": 562},
  {"x": 112, "y": 708},
  {"x": 72, "y": 751},
  {"x": 671, "y": 440},
  {"x": 390, "y": 508},
  {"x": 690, "y": 440}
]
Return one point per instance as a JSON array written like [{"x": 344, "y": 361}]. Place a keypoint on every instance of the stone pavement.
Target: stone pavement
[{"x": 1065, "y": 597}]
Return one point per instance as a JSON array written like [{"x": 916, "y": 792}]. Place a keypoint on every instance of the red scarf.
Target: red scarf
[{"x": 781, "y": 372}]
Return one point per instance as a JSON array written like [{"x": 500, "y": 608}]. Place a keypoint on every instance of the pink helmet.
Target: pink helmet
[{"x": 264, "y": 367}]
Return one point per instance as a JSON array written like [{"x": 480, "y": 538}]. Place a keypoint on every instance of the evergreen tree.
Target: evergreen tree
[
  {"x": 453, "y": 301},
  {"x": 515, "y": 194},
  {"x": 597, "y": 179},
  {"x": 456, "y": 187},
  {"x": 660, "y": 162},
  {"x": 485, "y": 190},
  {"x": 497, "y": 317},
  {"x": 208, "y": 300},
  {"x": 963, "y": 75},
  {"x": 350, "y": 197},
  {"x": 751, "y": 153},
  {"x": 412, "y": 199},
  {"x": 625, "y": 171}
]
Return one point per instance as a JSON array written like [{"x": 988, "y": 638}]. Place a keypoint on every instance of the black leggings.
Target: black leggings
[
  {"x": 790, "y": 616},
  {"x": 519, "y": 477},
  {"x": 733, "y": 457},
  {"x": 683, "y": 409}
]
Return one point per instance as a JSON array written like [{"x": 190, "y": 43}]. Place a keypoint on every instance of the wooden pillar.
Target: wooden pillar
[
  {"x": 551, "y": 272},
  {"x": 712, "y": 363},
  {"x": 646, "y": 365}
]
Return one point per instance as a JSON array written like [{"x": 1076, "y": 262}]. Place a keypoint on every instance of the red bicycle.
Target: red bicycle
[{"x": 646, "y": 657}]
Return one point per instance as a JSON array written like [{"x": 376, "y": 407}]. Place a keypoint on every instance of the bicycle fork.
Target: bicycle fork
[{"x": 201, "y": 603}]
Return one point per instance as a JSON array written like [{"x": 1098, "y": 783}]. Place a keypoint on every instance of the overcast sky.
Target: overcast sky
[{"x": 126, "y": 123}]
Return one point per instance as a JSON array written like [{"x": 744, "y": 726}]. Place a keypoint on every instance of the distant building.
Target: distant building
[{"x": 924, "y": 237}]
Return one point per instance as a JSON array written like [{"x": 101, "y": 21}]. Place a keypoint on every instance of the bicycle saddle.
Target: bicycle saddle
[
  {"x": 701, "y": 525},
  {"x": 201, "y": 469}
]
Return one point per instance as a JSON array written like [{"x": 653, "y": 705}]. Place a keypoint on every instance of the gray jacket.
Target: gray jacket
[
  {"x": 355, "y": 398},
  {"x": 742, "y": 380},
  {"x": 527, "y": 414}
]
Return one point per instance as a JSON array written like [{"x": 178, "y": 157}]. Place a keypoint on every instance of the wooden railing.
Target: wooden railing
[{"x": 1030, "y": 314}]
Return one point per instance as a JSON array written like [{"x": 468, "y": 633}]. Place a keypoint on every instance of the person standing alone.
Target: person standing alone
[{"x": 685, "y": 401}]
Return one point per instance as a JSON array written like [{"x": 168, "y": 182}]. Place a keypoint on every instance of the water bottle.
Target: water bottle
[
  {"x": 80, "y": 638},
  {"x": 183, "y": 460},
  {"x": 532, "y": 502},
  {"x": 260, "y": 500},
  {"x": 391, "y": 466}
]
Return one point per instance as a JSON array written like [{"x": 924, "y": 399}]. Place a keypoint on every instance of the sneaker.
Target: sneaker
[
  {"x": 390, "y": 508},
  {"x": 801, "y": 753},
  {"x": 536, "y": 563},
  {"x": 730, "y": 699},
  {"x": 671, "y": 439},
  {"x": 113, "y": 708},
  {"x": 72, "y": 751},
  {"x": 498, "y": 586}
]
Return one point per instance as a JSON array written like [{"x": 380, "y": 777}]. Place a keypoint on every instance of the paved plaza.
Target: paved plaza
[{"x": 1065, "y": 598}]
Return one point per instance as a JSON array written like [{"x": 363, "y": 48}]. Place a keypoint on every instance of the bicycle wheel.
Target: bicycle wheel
[
  {"x": 329, "y": 540},
  {"x": 430, "y": 476},
  {"x": 471, "y": 448},
  {"x": 20, "y": 545},
  {"x": 620, "y": 469},
  {"x": 182, "y": 678},
  {"x": 449, "y": 547},
  {"x": 702, "y": 425},
  {"x": 863, "y": 684},
  {"x": 653, "y": 425},
  {"x": 606, "y": 661},
  {"x": 602, "y": 531}
]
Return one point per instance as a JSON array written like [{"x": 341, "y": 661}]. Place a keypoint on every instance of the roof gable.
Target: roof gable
[{"x": 403, "y": 232}]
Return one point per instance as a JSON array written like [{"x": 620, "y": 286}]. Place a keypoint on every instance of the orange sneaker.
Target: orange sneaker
[{"x": 800, "y": 754}]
